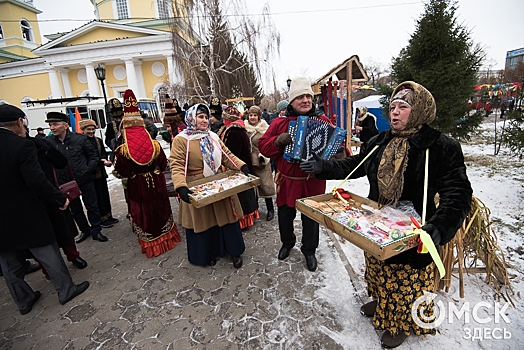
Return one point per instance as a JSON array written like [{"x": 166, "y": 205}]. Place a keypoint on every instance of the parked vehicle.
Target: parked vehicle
[{"x": 88, "y": 108}]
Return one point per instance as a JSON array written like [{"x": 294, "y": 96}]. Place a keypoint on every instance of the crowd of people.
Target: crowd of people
[{"x": 205, "y": 140}]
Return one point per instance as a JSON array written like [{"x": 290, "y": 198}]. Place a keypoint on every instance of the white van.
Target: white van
[{"x": 88, "y": 107}]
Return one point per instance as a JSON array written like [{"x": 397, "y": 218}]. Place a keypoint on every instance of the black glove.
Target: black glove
[
  {"x": 312, "y": 166},
  {"x": 433, "y": 232},
  {"x": 245, "y": 170},
  {"x": 184, "y": 194},
  {"x": 283, "y": 140}
]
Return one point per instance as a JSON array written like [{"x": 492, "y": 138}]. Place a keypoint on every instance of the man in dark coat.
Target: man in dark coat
[
  {"x": 62, "y": 221},
  {"x": 25, "y": 225},
  {"x": 83, "y": 159}
]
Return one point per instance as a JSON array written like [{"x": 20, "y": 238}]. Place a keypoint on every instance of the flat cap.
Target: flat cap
[
  {"x": 9, "y": 113},
  {"x": 57, "y": 117}
]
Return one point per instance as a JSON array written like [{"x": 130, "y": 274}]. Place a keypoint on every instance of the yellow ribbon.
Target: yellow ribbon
[{"x": 429, "y": 246}]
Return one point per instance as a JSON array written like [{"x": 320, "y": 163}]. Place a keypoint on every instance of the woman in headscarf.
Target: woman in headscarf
[
  {"x": 141, "y": 160},
  {"x": 235, "y": 138},
  {"x": 212, "y": 230},
  {"x": 256, "y": 127},
  {"x": 366, "y": 124},
  {"x": 395, "y": 170}
]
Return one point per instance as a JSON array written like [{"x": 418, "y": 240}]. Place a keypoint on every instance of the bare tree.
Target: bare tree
[
  {"x": 223, "y": 41},
  {"x": 374, "y": 70}
]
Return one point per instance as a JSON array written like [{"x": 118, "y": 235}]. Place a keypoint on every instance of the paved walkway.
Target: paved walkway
[{"x": 167, "y": 303}]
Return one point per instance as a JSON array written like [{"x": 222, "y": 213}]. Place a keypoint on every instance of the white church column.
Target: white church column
[
  {"x": 64, "y": 74},
  {"x": 140, "y": 79},
  {"x": 56, "y": 90},
  {"x": 92, "y": 81},
  {"x": 132, "y": 81},
  {"x": 171, "y": 69}
]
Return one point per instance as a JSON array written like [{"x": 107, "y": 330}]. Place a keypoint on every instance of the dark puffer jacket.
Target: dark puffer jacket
[
  {"x": 81, "y": 155},
  {"x": 447, "y": 176}
]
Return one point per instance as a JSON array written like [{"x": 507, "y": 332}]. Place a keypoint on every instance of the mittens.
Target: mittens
[
  {"x": 433, "y": 232},
  {"x": 283, "y": 140},
  {"x": 184, "y": 193}
]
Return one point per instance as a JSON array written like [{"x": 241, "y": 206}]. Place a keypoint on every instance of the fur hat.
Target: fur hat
[
  {"x": 282, "y": 105},
  {"x": 232, "y": 113},
  {"x": 56, "y": 117},
  {"x": 84, "y": 123},
  {"x": 172, "y": 111},
  {"x": 300, "y": 86},
  {"x": 10, "y": 113},
  {"x": 215, "y": 107},
  {"x": 255, "y": 110},
  {"x": 115, "y": 108}
]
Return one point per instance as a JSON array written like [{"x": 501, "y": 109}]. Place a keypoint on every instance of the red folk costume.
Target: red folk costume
[{"x": 142, "y": 161}]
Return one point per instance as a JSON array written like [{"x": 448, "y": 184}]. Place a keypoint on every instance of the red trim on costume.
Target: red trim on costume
[
  {"x": 161, "y": 245},
  {"x": 249, "y": 219}
]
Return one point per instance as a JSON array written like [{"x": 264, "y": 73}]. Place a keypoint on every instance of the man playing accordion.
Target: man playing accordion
[{"x": 292, "y": 182}]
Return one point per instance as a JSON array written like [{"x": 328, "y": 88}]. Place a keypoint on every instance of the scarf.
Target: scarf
[
  {"x": 261, "y": 127},
  {"x": 211, "y": 155},
  {"x": 394, "y": 160}
]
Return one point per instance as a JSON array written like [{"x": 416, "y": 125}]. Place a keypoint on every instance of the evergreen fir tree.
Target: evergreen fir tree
[{"x": 442, "y": 57}]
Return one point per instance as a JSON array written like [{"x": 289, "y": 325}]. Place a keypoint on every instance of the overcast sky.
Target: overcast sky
[{"x": 316, "y": 35}]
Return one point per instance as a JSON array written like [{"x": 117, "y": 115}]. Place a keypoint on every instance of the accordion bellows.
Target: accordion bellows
[{"x": 313, "y": 135}]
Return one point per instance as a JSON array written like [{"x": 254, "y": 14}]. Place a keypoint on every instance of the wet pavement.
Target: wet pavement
[{"x": 167, "y": 303}]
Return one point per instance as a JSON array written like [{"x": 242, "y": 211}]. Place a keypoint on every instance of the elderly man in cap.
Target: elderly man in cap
[
  {"x": 25, "y": 224},
  {"x": 40, "y": 134},
  {"x": 83, "y": 159},
  {"x": 292, "y": 182}
]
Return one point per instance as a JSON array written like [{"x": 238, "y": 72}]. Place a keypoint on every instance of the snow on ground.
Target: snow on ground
[
  {"x": 496, "y": 180},
  {"x": 499, "y": 182}
]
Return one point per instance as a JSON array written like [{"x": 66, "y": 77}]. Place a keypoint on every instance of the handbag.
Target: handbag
[{"x": 69, "y": 189}]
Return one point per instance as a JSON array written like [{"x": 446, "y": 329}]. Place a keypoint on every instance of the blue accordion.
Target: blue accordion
[{"x": 313, "y": 135}]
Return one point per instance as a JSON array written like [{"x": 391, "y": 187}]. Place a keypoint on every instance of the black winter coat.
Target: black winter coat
[
  {"x": 62, "y": 221},
  {"x": 369, "y": 129},
  {"x": 23, "y": 185},
  {"x": 81, "y": 155},
  {"x": 447, "y": 176}
]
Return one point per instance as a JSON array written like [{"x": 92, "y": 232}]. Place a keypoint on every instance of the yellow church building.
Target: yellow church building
[{"x": 131, "y": 39}]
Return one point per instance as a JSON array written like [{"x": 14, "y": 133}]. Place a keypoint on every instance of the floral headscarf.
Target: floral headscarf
[
  {"x": 395, "y": 157},
  {"x": 209, "y": 145}
]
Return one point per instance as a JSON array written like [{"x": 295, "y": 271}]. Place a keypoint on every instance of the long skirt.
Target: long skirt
[
  {"x": 395, "y": 287},
  {"x": 216, "y": 241},
  {"x": 249, "y": 203}
]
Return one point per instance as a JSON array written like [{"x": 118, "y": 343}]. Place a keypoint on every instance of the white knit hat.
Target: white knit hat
[{"x": 300, "y": 86}]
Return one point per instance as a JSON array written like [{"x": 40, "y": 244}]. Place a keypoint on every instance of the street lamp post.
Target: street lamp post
[
  {"x": 101, "y": 75},
  {"x": 288, "y": 83}
]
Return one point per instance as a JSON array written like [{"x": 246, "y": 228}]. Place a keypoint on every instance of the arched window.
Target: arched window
[
  {"x": 121, "y": 8},
  {"x": 161, "y": 94},
  {"x": 27, "y": 31}
]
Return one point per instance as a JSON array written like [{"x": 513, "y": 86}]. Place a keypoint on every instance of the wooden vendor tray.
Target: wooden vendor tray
[
  {"x": 380, "y": 251},
  {"x": 202, "y": 202}
]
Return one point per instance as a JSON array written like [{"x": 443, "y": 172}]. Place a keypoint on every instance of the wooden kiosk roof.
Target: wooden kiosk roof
[{"x": 358, "y": 74}]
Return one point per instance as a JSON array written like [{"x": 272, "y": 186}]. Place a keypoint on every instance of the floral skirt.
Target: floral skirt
[{"x": 395, "y": 287}]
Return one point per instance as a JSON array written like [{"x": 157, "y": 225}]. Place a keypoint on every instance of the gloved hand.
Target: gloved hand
[
  {"x": 313, "y": 166},
  {"x": 283, "y": 140},
  {"x": 41, "y": 144},
  {"x": 433, "y": 232},
  {"x": 184, "y": 193},
  {"x": 245, "y": 170}
]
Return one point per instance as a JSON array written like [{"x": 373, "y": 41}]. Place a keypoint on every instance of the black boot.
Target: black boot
[{"x": 270, "y": 209}]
